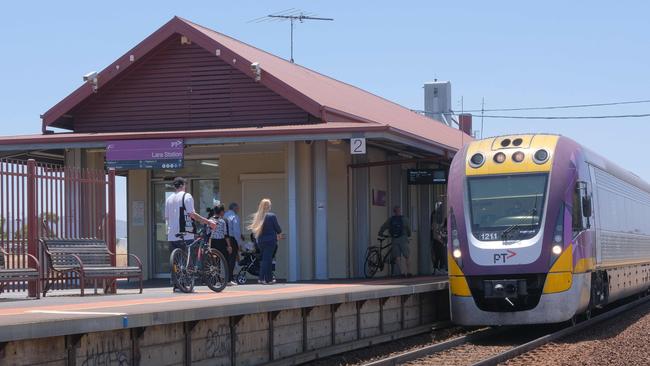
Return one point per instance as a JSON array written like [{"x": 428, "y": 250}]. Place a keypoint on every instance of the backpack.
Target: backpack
[
  {"x": 185, "y": 222},
  {"x": 396, "y": 228}
]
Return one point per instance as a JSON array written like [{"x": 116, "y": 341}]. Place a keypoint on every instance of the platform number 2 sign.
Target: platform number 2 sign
[{"x": 357, "y": 145}]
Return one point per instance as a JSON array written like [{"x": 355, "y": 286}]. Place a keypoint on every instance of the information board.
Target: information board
[
  {"x": 145, "y": 154},
  {"x": 426, "y": 176}
]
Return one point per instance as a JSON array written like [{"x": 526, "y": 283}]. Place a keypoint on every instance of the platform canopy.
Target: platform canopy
[{"x": 276, "y": 98}]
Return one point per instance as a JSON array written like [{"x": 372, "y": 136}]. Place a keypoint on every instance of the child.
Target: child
[{"x": 219, "y": 240}]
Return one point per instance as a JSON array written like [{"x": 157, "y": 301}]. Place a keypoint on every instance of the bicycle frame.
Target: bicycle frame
[
  {"x": 384, "y": 257},
  {"x": 201, "y": 245}
]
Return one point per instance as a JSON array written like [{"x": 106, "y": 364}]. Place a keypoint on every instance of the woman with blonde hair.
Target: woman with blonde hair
[{"x": 265, "y": 227}]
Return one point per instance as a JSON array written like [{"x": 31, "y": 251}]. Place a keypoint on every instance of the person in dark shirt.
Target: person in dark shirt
[{"x": 267, "y": 231}]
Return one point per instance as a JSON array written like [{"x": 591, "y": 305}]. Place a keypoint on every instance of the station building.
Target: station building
[{"x": 252, "y": 126}]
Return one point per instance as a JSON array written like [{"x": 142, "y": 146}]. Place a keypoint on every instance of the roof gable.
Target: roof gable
[
  {"x": 329, "y": 99},
  {"x": 180, "y": 85}
]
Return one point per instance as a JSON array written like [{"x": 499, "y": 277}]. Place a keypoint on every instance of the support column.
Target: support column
[
  {"x": 320, "y": 210},
  {"x": 361, "y": 217},
  {"x": 32, "y": 222},
  {"x": 424, "y": 234},
  {"x": 110, "y": 222},
  {"x": 294, "y": 252}
]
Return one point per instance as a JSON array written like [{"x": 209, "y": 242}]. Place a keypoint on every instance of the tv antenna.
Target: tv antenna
[{"x": 292, "y": 15}]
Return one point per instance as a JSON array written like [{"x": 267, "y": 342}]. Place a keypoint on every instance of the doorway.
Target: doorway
[
  {"x": 272, "y": 186},
  {"x": 205, "y": 193}
]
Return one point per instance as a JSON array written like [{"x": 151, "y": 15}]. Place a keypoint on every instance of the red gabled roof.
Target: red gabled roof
[{"x": 330, "y": 99}]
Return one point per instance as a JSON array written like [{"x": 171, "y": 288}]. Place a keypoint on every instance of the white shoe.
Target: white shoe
[{"x": 231, "y": 283}]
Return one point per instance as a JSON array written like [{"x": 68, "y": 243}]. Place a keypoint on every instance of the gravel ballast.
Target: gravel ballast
[{"x": 624, "y": 340}]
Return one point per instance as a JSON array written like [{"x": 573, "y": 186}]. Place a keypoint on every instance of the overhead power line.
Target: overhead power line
[
  {"x": 568, "y": 117},
  {"x": 559, "y": 106}
]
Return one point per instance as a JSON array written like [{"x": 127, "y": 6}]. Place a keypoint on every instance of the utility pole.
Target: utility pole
[{"x": 292, "y": 15}]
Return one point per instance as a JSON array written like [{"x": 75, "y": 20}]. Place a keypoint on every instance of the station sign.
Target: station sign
[
  {"x": 145, "y": 154},
  {"x": 357, "y": 145},
  {"x": 426, "y": 176}
]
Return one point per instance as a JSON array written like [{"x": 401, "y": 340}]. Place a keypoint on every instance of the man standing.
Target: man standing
[
  {"x": 180, "y": 217},
  {"x": 399, "y": 230},
  {"x": 234, "y": 232}
]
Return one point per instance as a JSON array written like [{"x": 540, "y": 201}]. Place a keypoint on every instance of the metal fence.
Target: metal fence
[{"x": 39, "y": 200}]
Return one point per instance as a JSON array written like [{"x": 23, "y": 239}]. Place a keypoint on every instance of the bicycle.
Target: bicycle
[
  {"x": 212, "y": 266},
  {"x": 375, "y": 259}
]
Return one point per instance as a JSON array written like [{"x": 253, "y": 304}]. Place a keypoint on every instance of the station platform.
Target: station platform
[{"x": 286, "y": 319}]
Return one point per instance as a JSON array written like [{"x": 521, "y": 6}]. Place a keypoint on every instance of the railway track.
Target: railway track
[{"x": 493, "y": 346}]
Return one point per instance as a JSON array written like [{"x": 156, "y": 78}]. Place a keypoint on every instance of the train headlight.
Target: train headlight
[
  {"x": 499, "y": 157},
  {"x": 477, "y": 160},
  {"x": 558, "y": 237},
  {"x": 455, "y": 240},
  {"x": 540, "y": 156},
  {"x": 518, "y": 157}
]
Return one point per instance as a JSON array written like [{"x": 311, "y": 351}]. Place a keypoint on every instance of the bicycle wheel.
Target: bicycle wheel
[
  {"x": 373, "y": 262},
  {"x": 215, "y": 271},
  {"x": 181, "y": 278}
]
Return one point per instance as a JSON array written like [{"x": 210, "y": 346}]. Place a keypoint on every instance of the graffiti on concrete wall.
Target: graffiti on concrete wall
[
  {"x": 217, "y": 342},
  {"x": 106, "y": 354}
]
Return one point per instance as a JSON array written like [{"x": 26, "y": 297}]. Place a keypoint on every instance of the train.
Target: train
[{"x": 542, "y": 230}]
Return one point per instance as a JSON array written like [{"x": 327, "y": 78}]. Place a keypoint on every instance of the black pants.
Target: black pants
[
  {"x": 222, "y": 246},
  {"x": 267, "y": 249},
  {"x": 439, "y": 251},
  {"x": 235, "y": 256}
]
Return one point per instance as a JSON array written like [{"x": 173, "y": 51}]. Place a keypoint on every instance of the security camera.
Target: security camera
[
  {"x": 90, "y": 76},
  {"x": 257, "y": 71}
]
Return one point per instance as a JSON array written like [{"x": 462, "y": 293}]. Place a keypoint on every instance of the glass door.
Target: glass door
[
  {"x": 205, "y": 193},
  {"x": 161, "y": 190}
]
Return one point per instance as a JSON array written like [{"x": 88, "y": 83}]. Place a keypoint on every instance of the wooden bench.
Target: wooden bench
[
  {"x": 25, "y": 273},
  {"x": 90, "y": 259}
]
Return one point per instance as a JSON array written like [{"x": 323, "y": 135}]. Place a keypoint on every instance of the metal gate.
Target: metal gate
[{"x": 39, "y": 200}]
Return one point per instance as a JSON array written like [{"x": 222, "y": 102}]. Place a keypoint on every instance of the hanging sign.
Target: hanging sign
[
  {"x": 426, "y": 176},
  {"x": 145, "y": 154}
]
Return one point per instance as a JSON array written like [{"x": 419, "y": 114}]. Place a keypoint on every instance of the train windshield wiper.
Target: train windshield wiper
[
  {"x": 517, "y": 226},
  {"x": 507, "y": 231}
]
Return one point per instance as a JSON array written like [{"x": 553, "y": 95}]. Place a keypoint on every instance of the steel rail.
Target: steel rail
[
  {"x": 435, "y": 348},
  {"x": 510, "y": 353}
]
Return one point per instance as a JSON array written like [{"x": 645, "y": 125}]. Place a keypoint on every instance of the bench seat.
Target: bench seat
[
  {"x": 28, "y": 274},
  {"x": 90, "y": 259}
]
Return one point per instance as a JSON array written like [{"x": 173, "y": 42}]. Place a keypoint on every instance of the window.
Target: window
[{"x": 507, "y": 206}]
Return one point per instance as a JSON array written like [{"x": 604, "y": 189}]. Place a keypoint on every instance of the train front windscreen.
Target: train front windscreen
[{"x": 506, "y": 207}]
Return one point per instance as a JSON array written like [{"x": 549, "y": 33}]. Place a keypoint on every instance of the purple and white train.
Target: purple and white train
[{"x": 541, "y": 230}]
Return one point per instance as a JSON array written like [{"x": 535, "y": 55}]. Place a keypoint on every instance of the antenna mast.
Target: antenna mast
[{"x": 292, "y": 15}]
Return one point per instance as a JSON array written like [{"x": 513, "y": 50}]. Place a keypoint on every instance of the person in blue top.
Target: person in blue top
[{"x": 267, "y": 231}]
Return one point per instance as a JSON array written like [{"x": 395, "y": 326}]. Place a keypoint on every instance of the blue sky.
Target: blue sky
[{"x": 511, "y": 53}]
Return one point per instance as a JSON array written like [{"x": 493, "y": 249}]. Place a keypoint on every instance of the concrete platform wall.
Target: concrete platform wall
[{"x": 287, "y": 336}]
